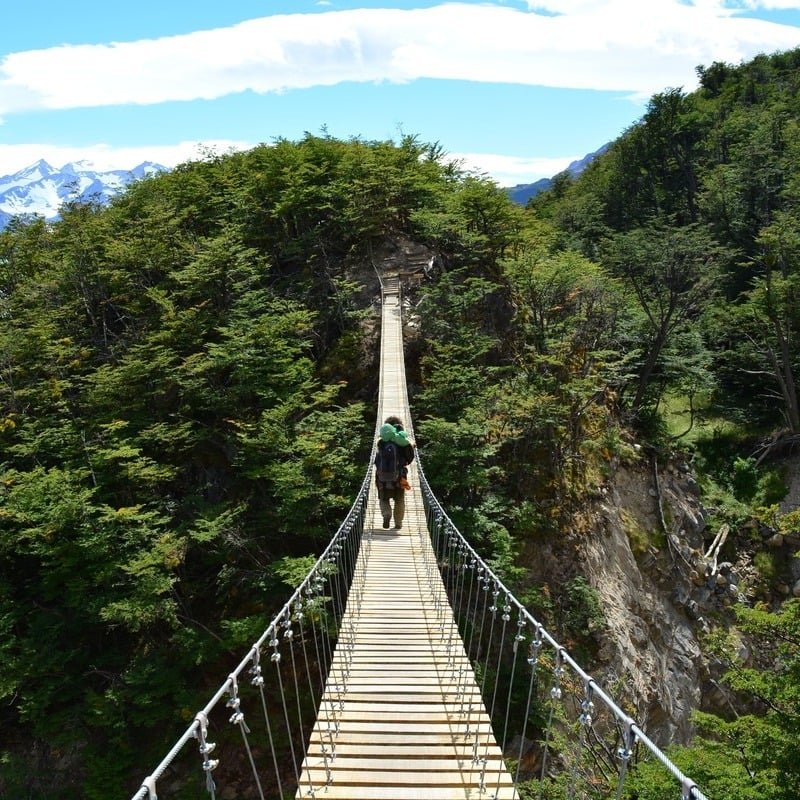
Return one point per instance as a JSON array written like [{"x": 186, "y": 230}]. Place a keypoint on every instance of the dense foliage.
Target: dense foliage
[
  {"x": 696, "y": 211},
  {"x": 696, "y": 208},
  {"x": 181, "y": 404}
]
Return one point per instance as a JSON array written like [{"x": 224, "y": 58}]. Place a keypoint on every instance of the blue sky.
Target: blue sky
[{"x": 513, "y": 88}]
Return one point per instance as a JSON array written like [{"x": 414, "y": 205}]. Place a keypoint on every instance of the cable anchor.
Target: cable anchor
[
  {"x": 519, "y": 637},
  {"x": 587, "y": 706},
  {"x": 558, "y": 671},
  {"x": 255, "y": 669},
  {"x": 536, "y": 645},
  {"x": 206, "y": 747},
  {"x": 237, "y": 718}
]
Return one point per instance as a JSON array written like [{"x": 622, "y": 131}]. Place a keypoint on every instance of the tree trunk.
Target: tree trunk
[
  {"x": 649, "y": 365},
  {"x": 783, "y": 373}
]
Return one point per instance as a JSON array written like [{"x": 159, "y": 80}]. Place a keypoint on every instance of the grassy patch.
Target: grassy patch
[
  {"x": 707, "y": 421},
  {"x": 641, "y": 539}
]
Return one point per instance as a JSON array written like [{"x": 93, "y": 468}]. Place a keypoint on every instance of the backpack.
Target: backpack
[{"x": 387, "y": 463}]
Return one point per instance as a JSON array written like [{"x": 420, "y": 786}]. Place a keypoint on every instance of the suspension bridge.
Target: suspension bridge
[{"x": 402, "y": 668}]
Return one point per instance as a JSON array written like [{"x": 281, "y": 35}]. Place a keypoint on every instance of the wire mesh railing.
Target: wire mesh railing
[
  {"x": 274, "y": 694},
  {"x": 560, "y": 732}
]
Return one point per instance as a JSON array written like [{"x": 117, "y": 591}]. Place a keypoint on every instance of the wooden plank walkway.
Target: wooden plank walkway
[{"x": 401, "y": 710}]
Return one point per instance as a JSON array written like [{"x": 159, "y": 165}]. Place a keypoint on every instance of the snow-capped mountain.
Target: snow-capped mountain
[{"x": 41, "y": 188}]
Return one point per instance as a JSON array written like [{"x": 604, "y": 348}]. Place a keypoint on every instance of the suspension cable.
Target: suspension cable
[{"x": 349, "y": 529}]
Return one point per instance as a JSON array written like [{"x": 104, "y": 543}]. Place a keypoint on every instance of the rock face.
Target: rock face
[{"x": 653, "y": 591}]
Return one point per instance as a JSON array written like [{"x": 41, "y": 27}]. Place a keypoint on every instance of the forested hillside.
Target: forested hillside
[
  {"x": 186, "y": 406},
  {"x": 187, "y": 392},
  {"x": 695, "y": 211}
]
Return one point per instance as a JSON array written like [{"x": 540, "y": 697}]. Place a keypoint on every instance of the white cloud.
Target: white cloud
[
  {"x": 14, "y": 157},
  {"x": 511, "y": 170},
  {"x": 770, "y": 5},
  {"x": 721, "y": 7},
  {"x": 622, "y": 45}
]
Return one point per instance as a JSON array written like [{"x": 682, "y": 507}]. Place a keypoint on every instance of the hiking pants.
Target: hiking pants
[{"x": 392, "y": 494}]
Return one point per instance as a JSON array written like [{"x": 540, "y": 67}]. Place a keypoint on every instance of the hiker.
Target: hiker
[{"x": 395, "y": 453}]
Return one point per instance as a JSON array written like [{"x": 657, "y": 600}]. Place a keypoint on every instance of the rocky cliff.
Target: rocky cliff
[
  {"x": 643, "y": 575},
  {"x": 666, "y": 579}
]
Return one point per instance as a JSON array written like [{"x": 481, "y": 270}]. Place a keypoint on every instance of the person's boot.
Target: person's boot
[{"x": 386, "y": 522}]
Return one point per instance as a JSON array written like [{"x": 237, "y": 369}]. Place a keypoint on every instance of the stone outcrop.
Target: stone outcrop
[
  {"x": 664, "y": 581},
  {"x": 653, "y": 616}
]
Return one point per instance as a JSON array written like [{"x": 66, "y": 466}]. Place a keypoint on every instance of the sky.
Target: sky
[{"x": 514, "y": 89}]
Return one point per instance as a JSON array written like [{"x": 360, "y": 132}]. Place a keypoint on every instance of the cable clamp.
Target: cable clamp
[
  {"x": 687, "y": 789},
  {"x": 150, "y": 785}
]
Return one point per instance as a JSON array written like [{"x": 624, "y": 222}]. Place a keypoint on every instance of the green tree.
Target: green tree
[
  {"x": 754, "y": 754},
  {"x": 672, "y": 273},
  {"x": 761, "y": 359}
]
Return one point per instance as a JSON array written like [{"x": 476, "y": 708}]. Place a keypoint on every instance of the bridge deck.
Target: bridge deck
[{"x": 410, "y": 719}]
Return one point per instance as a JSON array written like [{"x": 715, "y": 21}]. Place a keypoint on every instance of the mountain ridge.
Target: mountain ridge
[
  {"x": 523, "y": 192},
  {"x": 40, "y": 189}
]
